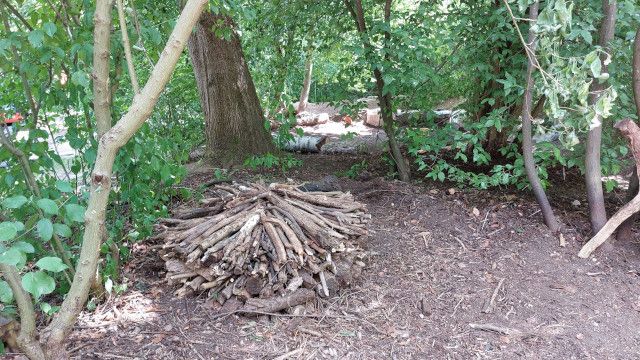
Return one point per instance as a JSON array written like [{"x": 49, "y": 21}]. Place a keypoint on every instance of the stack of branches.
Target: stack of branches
[{"x": 253, "y": 242}]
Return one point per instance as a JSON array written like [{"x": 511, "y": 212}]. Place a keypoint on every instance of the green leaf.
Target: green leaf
[
  {"x": 45, "y": 229},
  {"x": 19, "y": 225},
  {"x": 35, "y": 38},
  {"x": 596, "y": 67},
  {"x": 38, "y": 283},
  {"x": 24, "y": 247},
  {"x": 12, "y": 257},
  {"x": 51, "y": 263},
  {"x": 6, "y": 294},
  {"x": 14, "y": 202},
  {"x": 50, "y": 28},
  {"x": 75, "y": 212},
  {"x": 8, "y": 231},
  {"x": 64, "y": 186},
  {"x": 80, "y": 78},
  {"x": 62, "y": 230},
  {"x": 48, "y": 206}
]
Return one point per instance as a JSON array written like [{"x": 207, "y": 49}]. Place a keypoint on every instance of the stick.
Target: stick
[
  {"x": 289, "y": 354},
  {"x": 496, "y": 328},
  {"x": 489, "y": 308}
]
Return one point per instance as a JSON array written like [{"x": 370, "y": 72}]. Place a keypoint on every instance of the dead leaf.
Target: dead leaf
[{"x": 158, "y": 338}]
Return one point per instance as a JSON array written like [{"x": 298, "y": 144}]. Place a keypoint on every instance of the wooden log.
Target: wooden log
[
  {"x": 305, "y": 144},
  {"x": 277, "y": 243},
  {"x": 276, "y": 304},
  {"x": 199, "y": 212}
]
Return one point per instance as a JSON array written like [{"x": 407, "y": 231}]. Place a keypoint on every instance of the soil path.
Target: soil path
[{"x": 438, "y": 259}]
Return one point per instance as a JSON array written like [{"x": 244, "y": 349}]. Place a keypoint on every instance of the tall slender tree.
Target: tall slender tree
[
  {"x": 593, "y": 170},
  {"x": 384, "y": 97},
  {"x": 527, "y": 143}
]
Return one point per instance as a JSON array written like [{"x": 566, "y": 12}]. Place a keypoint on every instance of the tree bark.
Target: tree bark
[
  {"x": 306, "y": 84},
  {"x": 593, "y": 171},
  {"x": 101, "y": 89},
  {"x": 234, "y": 121},
  {"x": 527, "y": 142},
  {"x": 624, "y": 231}
]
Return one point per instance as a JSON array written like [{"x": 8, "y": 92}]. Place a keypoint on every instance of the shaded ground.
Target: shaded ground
[{"x": 435, "y": 265}]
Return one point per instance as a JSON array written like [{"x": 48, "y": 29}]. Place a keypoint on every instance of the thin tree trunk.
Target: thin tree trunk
[
  {"x": 593, "y": 171},
  {"x": 306, "y": 84},
  {"x": 527, "y": 143},
  {"x": 56, "y": 332},
  {"x": 234, "y": 121},
  {"x": 632, "y": 132},
  {"x": 625, "y": 230},
  {"x": 127, "y": 48},
  {"x": 386, "y": 107},
  {"x": 101, "y": 36}
]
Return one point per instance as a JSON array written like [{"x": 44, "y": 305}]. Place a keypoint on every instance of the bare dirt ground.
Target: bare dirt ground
[{"x": 444, "y": 281}]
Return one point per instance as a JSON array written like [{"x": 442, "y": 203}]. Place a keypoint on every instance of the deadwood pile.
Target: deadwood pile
[{"x": 271, "y": 247}]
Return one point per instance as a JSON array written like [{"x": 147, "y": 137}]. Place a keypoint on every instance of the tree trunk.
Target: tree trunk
[
  {"x": 593, "y": 171},
  {"x": 101, "y": 88},
  {"x": 632, "y": 132},
  {"x": 357, "y": 12},
  {"x": 234, "y": 121},
  {"x": 55, "y": 334},
  {"x": 527, "y": 143},
  {"x": 624, "y": 231},
  {"x": 306, "y": 84}
]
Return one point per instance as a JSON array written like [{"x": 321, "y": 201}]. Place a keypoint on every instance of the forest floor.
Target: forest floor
[{"x": 438, "y": 257}]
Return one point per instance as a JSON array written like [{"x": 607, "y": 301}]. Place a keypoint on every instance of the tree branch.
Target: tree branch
[
  {"x": 127, "y": 48},
  {"x": 27, "y": 336},
  {"x": 17, "y": 14}
]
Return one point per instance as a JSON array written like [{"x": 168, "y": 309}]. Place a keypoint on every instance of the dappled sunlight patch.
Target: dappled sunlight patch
[{"x": 127, "y": 310}]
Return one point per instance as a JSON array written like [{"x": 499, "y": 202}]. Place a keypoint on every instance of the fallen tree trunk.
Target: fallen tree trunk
[
  {"x": 632, "y": 132},
  {"x": 306, "y": 144}
]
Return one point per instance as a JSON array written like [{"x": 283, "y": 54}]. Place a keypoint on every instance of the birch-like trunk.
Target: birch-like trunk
[
  {"x": 306, "y": 84},
  {"x": 52, "y": 338}
]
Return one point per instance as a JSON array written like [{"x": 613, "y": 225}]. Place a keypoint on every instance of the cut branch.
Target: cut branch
[{"x": 264, "y": 243}]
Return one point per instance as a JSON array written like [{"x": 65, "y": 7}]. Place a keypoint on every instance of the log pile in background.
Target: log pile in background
[{"x": 256, "y": 242}]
